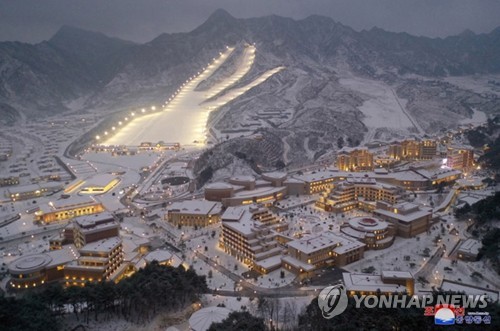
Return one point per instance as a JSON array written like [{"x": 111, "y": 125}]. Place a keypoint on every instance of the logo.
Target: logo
[
  {"x": 332, "y": 301},
  {"x": 445, "y": 314}
]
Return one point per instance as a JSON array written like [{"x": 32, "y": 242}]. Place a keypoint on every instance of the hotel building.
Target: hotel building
[
  {"x": 249, "y": 234},
  {"x": 194, "y": 213},
  {"x": 413, "y": 150},
  {"x": 355, "y": 159},
  {"x": 460, "y": 158},
  {"x": 358, "y": 193}
]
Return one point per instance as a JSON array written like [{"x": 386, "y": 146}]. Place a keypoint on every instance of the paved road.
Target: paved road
[
  {"x": 249, "y": 289},
  {"x": 430, "y": 264}
]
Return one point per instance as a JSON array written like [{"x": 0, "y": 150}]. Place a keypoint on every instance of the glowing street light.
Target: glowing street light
[
  {"x": 97, "y": 137},
  {"x": 143, "y": 110},
  {"x": 153, "y": 108}
]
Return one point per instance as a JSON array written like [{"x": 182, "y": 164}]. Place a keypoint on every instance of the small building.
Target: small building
[
  {"x": 194, "y": 213},
  {"x": 469, "y": 250},
  {"x": 9, "y": 181},
  {"x": 99, "y": 184},
  {"x": 388, "y": 283},
  {"x": 33, "y": 191}
]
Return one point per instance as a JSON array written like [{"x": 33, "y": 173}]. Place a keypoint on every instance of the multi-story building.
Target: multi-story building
[
  {"x": 87, "y": 229},
  {"x": 309, "y": 253},
  {"x": 355, "y": 159},
  {"x": 194, "y": 213},
  {"x": 413, "y": 150},
  {"x": 98, "y": 261},
  {"x": 68, "y": 208},
  {"x": 249, "y": 234},
  {"x": 358, "y": 192},
  {"x": 408, "y": 219},
  {"x": 460, "y": 158}
]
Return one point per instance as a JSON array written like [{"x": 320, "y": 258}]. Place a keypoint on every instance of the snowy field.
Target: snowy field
[{"x": 382, "y": 109}]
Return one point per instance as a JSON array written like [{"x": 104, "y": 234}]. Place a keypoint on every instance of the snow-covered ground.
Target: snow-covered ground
[{"x": 382, "y": 109}]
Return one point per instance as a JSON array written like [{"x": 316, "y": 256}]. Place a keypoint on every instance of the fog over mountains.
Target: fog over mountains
[{"x": 331, "y": 73}]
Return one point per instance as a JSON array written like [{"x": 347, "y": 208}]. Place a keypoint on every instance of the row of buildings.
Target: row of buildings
[
  {"x": 361, "y": 159},
  {"x": 89, "y": 249}
]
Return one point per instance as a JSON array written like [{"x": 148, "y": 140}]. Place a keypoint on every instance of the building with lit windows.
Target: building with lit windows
[
  {"x": 99, "y": 184},
  {"x": 469, "y": 250},
  {"x": 413, "y": 150},
  {"x": 246, "y": 190},
  {"x": 355, "y": 159},
  {"x": 460, "y": 158},
  {"x": 86, "y": 229},
  {"x": 388, "y": 283},
  {"x": 32, "y": 191},
  {"x": 249, "y": 234},
  {"x": 326, "y": 249},
  {"x": 407, "y": 218},
  {"x": 358, "y": 193},
  {"x": 374, "y": 233},
  {"x": 100, "y": 260},
  {"x": 35, "y": 270},
  {"x": 194, "y": 213},
  {"x": 64, "y": 209},
  {"x": 9, "y": 181}
]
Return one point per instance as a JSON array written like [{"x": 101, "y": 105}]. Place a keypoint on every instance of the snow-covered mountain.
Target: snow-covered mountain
[{"x": 338, "y": 84}]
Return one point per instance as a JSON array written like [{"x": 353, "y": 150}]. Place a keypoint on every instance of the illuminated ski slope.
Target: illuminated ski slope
[{"x": 186, "y": 113}]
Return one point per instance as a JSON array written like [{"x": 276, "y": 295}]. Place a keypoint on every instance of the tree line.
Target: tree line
[{"x": 136, "y": 299}]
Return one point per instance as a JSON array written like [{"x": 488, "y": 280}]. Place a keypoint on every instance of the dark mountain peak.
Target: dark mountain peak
[
  {"x": 219, "y": 20},
  {"x": 68, "y": 32},
  {"x": 467, "y": 33}
]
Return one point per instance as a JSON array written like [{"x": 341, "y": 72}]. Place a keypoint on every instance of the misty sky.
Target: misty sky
[{"x": 142, "y": 20}]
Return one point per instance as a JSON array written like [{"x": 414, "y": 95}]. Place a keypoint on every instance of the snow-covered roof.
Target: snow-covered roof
[
  {"x": 203, "y": 318},
  {"x": 470, "y": 246},
  {"x": 200, "y": 207},
  {"x": 104, "y": 245},
  {"x": 366, "y": 282}
]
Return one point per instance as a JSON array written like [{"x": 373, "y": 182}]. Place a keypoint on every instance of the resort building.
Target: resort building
[
  {"x": 413, "y": 150},
  {"x": 194, "y": 213},
  {"x": 35, "y": 270},
  {"x": 249, "y": 234},
  {"x": 87, "y": 229},
  {"x": 98, "y": 261},
  {"x": 460, "y": 158},
  {"x": 355, "y": 159},
  {"x": 326, "y": 249},
  {"x": 388, "y": 283},
  {"x": 407, "y": 218},
  {"x": 374, "y": 233},
  {"x": 246, "y": 190},
  {"x": 68, "y": 208},
  {"x": 358, "y": 193}
]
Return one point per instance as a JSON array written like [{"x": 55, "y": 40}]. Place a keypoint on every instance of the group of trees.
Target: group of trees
[
  {"x": 483, "y": 211},
  {"x": 364, "y": 318},
  {"x": 137, "y": 299}
]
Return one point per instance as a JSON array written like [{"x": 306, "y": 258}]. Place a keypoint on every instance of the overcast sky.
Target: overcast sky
[{"x": 142, "y": 20}]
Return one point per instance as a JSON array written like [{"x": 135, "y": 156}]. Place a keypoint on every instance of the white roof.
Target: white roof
[
  {"x": 100, "y": 180},
  {"x": 337, "y": 243},
  {"x": 203, "y": 318},
  {"x": 160, "y": 255},
  {"x": 470, "y": 246},
  {"x": 195, "y": 207},
  {"x": 366, "y": 282},
  {"x": 396, "y": 274},
  {"x": 104, "y": 245},
  {"x": 234, "y": 213}
]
